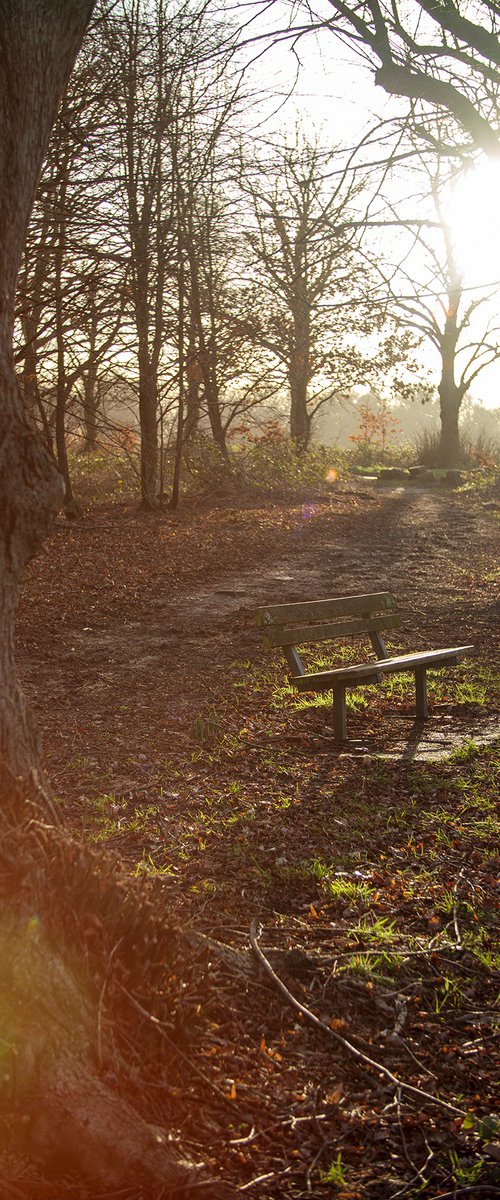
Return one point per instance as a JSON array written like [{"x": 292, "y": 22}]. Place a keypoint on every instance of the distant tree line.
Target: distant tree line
[
  {"x": 174, "y": 257},
  {"x": 166, "y": 252}
]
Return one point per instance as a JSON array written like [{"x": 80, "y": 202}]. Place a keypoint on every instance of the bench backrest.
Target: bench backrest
[{"x": 290, "y": 625}]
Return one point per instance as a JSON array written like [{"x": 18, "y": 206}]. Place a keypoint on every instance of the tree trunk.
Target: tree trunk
[
  {"x": 179, "y": 439},
  {"x": 450, "y": 400},
  {"x": 194, "y": 377},
  {"x": 299, "y": 371},
  {"x": 38, "y": 45},
  {"x": 148, "y": 419},
  {"x": 48, "y": 1014},
  {"x": 90, "y": 384},
  {"x": 206, "y": 367},
  {"x": 54, "y": 1035},
  {"x": 90, "y": 409},
  {"x": 148, "y": 385},
  {"x": 299, "y": 416},
  {"x": 450, "y": 393},
  {"x": 29, "y": 381},
  {"x": 213, "y": 406}
]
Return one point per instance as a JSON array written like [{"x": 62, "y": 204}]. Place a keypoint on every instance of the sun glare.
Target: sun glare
[{"x": 474, "y": 217}]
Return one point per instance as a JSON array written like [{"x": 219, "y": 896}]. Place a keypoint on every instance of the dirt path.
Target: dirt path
[{"x": 128, "y": 627}]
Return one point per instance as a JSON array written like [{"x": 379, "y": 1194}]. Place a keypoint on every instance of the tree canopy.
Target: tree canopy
[{"x": 438, "y": 55}]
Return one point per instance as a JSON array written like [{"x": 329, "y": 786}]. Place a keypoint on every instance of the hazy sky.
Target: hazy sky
[{"x": 334, "y": 93}]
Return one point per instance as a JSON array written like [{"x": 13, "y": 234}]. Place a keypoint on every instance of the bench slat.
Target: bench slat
[
  {"x": 298, "y": 635},
  {"x": 323, "y": 681},
  {"x": 317, "y": 610}
]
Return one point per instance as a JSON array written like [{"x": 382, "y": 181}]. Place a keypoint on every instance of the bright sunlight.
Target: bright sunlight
[{"x": 474, "y": 221}]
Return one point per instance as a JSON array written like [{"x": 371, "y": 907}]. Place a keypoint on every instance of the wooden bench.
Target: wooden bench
[{"x": 292, "y": 625}]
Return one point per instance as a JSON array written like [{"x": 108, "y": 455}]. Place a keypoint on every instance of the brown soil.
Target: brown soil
[{"x": 138, "y": 650}]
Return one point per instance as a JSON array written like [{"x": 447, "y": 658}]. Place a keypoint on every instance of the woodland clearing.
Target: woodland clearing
[{"x": 172, "y": 740}]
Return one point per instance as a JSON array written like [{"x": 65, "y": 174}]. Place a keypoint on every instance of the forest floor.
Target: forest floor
[{"x": 173, "y": 740}]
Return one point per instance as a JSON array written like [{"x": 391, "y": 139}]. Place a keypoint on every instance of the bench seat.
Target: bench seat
[
  {"x": 344, "y": 617},
  {"x": 323, "y": 681}
]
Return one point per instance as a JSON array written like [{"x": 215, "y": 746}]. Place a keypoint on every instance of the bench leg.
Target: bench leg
[
  {"x": 421, "y": 691},
  {"x": 339, "y": 713}
]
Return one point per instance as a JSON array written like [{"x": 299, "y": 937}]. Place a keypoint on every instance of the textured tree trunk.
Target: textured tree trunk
[
  {"x": 48, "y": 1016},
  {"x": 450, "y": 400},
  {"x": 148, "y": 419},
  {"x": 30, "y": 494},
  {"x": 299, "y": 371},
  {"x": 450, "y": 393},
  {"x": 38, "y": 44}
]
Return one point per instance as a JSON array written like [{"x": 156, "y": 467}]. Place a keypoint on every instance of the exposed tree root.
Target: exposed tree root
[{"x": 70, "y": 935}]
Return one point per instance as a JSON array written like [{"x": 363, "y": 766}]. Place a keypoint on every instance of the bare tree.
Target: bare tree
[
  {"x": 138, "y": 51},
  {"x": 303, "y": 237},
  {"x": 427, "y": 293},
  {"x": 166, "y": 66},
  {"x": 218, "y": 343},
  {"x": 73, "y": 1116},
  {"x": 70, "y": 298},
  {"x": 433, "y": 54}
]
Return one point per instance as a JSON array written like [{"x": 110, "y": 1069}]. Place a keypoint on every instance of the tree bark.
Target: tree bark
[
  {"x": 148, "y": 419},
  {"x": 90, "y": 380},
  {"x": 450, "y": 400},
  {"x": 450, "y": 392},
  {"x": 50, "y": 1019},
  {"x": 206, "y": 367},
  {"x": 38, "y": 44},
  {"x": 299, "y": 366}
]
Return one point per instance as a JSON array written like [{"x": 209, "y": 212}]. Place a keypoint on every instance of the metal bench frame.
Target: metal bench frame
[{"x": 292, "y": 625}]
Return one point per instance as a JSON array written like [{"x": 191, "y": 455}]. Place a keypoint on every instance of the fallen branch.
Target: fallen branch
[{"x": 337, "y": 1037}]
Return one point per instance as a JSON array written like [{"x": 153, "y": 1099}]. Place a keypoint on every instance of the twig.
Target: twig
[
  {"x": 419, "y": 1171},
  {"x": 420, "y": 1175},
  {"x": 291, "y": 1121},
  {"x": 196, "y": 1070},
  {"x": 264, "y": 1179},
  {"x": 401, "y": 1042},
  {"x": 253, "y": 1182},
  {"x": 396, "y": 1038},
  {"x": 199, "y": 1185},
  {"x": 337, "y": 1037},
  {"x": 468, "y": 1191},
  {"x": 245, "y": 1141},
  {"x": 312, "y": 1165},
  {"x": 458, "y": 936}
]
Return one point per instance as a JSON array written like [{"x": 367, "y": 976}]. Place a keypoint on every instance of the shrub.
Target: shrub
[
  {"x": 104, "y": 478},
  {"x": 478, "y": 449},
  {"x": 205, "y": 470},
  {"x": 377, "y": 426},
  {"x": 269, "y": 461}
]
